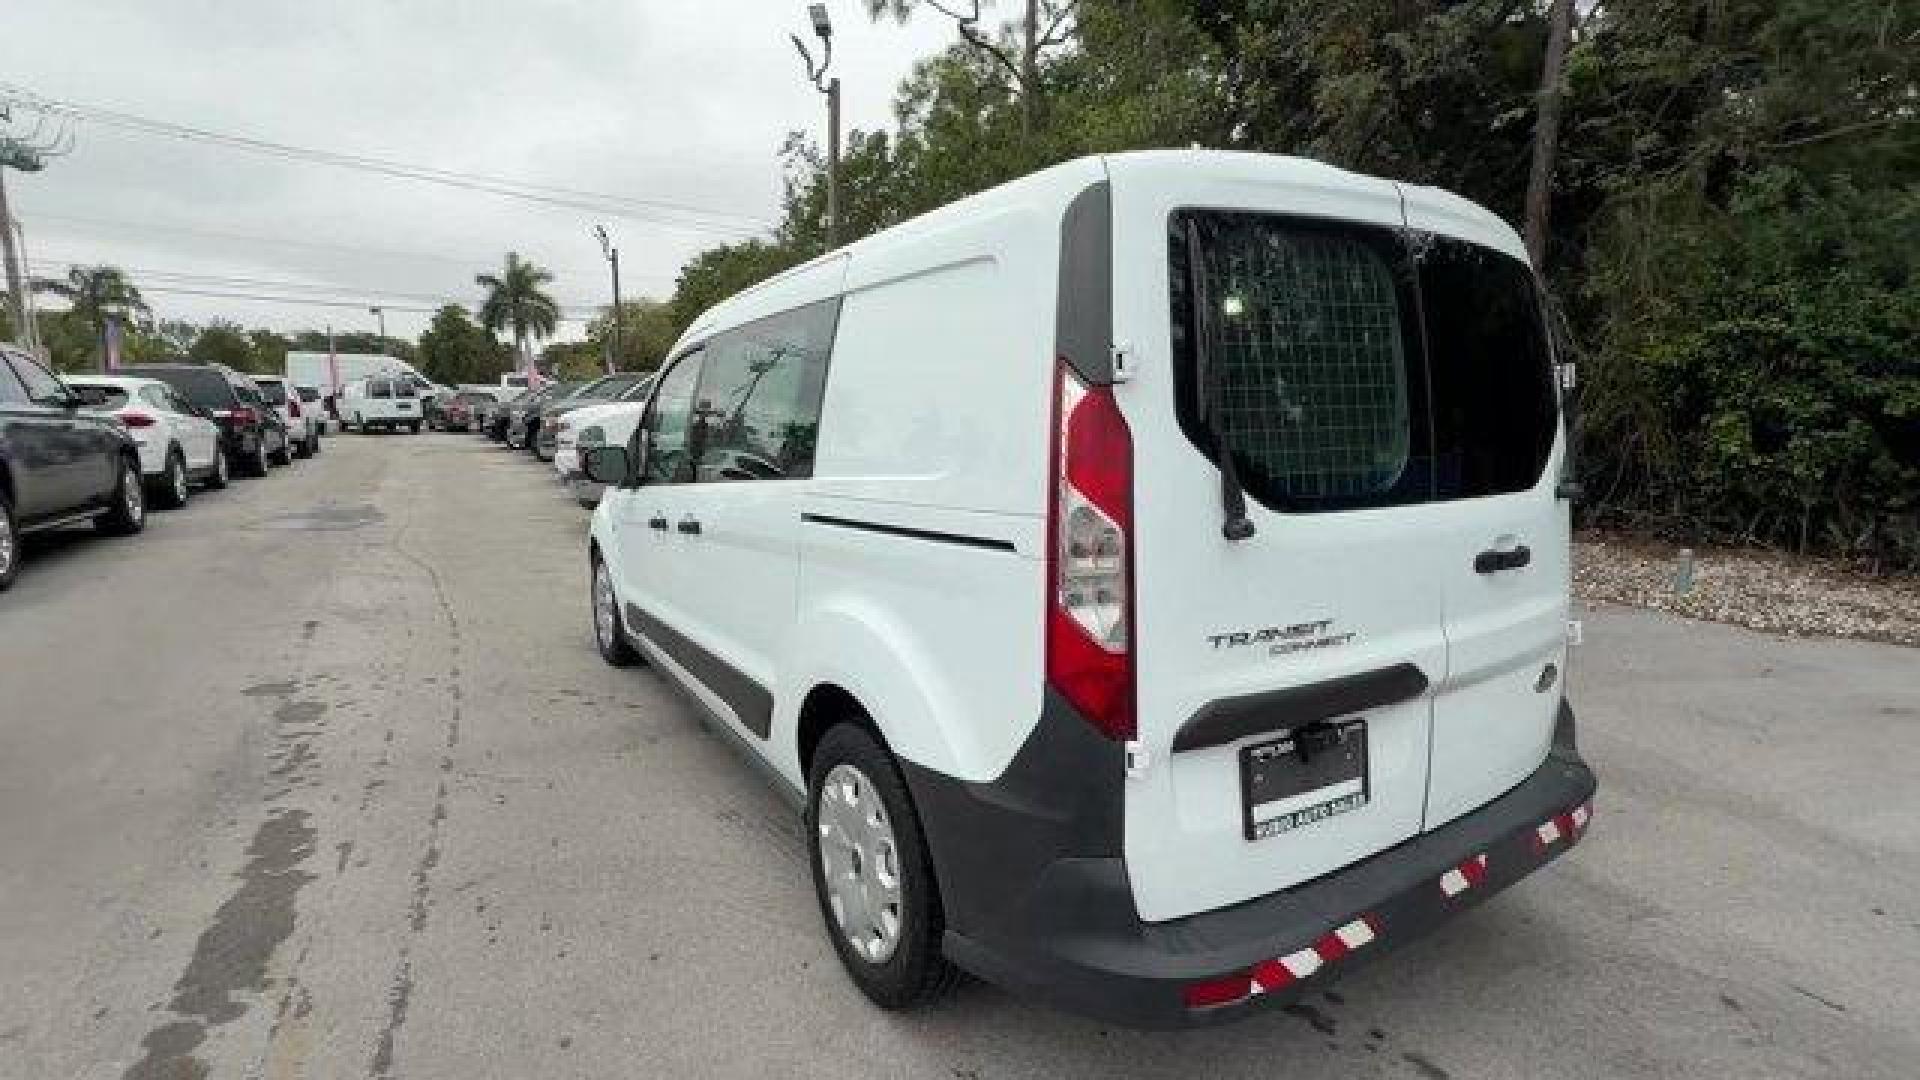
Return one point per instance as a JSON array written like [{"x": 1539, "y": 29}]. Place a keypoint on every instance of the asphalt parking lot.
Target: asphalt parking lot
[{"x": 321, "y": 777}]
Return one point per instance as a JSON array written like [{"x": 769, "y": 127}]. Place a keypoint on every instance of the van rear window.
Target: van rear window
[{"x": 1359, "y": 365}]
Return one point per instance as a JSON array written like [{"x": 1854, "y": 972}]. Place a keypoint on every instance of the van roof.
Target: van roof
[{"x": 1053, "y": 188}]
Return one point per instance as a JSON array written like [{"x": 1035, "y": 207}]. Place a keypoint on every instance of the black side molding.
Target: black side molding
[
  {"x": 749, "y": 700},
  {"x": 988, "y": 543},
  {"x": 1228, "y": 720}
]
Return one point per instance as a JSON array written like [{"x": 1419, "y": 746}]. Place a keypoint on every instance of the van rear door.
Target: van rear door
[
  {"x": 1332, "y": 612},
  {"x": 1497, "y": 523}
]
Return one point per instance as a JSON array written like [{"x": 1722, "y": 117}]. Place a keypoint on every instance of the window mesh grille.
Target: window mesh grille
[{"x": 1307, "y": 336}]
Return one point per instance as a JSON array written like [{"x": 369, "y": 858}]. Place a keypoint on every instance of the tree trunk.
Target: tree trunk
[
  {"x": 1030, "y": 72},
  {"x": 1546, "y": 132}
]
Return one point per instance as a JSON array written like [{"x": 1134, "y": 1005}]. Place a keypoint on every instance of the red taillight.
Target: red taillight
[
  {"x": 242, "y": 416},
  {"x": 1090, "y": 556},
  {"x": 293, "y": 408},
  {"x": 136, "y": 419}
]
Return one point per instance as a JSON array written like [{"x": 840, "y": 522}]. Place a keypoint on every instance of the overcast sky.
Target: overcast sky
[{"x": 685, "y": 101}]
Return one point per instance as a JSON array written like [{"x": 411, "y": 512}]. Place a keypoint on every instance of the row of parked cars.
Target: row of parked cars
[
  {"x": 556, "y": 421},
  {"x": 103, "y": 448}
]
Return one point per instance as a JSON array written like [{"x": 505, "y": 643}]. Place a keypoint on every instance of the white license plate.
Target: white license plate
[{"x": 1306, "y": 777}]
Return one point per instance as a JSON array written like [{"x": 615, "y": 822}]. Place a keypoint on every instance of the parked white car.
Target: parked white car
[
  {"x": 1150, "y": 576},
  {"x": 595, "y": 425},
  {"x": 304, "y": 421},
  {"x": 381, "y": 402},
  {"x": 179, "y": 444}
]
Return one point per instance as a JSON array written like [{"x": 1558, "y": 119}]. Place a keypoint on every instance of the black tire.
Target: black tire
[
  {"x": 304, "y": 448},
  {"x": 9, "y": 544},
  {"x": 256, "y": 463},
  {"x": 284, "y": 455},
  {"x": 611, "y": 639},
  {"x": 221, "y": 475},
  {"x": 173, "y": 490},
  {"x": 129, "y": 512},
  {"x": 313, "y": 445},
  {"x": 915, "y": 974},
  {"x": 413, "y": 428}
]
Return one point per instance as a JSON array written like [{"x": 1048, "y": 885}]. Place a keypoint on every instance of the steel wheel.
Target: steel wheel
[
  {"x": 613, "y": 645},
  {"x": 860, "y": 860}
]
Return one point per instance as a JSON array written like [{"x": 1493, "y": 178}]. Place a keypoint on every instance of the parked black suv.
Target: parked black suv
[
  {"x": 60, "y": 463},
  {"x": 251, "y": 431}
]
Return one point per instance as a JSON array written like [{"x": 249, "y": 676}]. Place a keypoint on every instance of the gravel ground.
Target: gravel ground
[{"x": 1780, "y": 594}]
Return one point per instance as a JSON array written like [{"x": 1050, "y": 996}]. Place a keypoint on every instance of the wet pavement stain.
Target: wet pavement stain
[
  {"x": 230, "y": 959},
  {"x": 329, "y": 518}
]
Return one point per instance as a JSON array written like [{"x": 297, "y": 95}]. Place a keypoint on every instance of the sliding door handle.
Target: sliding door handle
[
  {"x": 689, "y": 526},
  {"x": 1494, "y": 561}
]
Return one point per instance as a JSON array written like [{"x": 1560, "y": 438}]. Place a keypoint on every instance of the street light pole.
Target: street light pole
[
  {"x": 823, "y": 29},
  {"x": 612, "y": 255}
]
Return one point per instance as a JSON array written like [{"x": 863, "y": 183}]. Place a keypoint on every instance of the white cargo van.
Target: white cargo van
[
  {"x": 1150, "y": 577},
  {"x": 389, "y": 402}
]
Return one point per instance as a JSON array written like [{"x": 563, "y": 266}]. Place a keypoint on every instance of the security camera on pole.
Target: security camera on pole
[{"x": 823, "y": 28}]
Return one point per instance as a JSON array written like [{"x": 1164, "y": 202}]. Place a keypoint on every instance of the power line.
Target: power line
[
  {"x": 632, "y": 208},
  {"x": 302, "y": 301}
]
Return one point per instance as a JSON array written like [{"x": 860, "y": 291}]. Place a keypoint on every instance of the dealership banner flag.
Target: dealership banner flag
[{"x": 112, "y": 353}]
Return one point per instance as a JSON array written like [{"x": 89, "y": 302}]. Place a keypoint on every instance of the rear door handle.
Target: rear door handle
[
  {"x": 1494, "y": 561},
  {"x": 689, "y": 526},
  {"x": 657, "y": 523}
]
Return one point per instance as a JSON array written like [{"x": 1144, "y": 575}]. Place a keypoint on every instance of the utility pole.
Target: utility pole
[
  {"x": 16, "y": 282},
  {"x": 612, "y": 255},
  {"x": 823, "y": 29},
  {"x": 28, "y": 154},
  {"x": 381, "y": 314}
]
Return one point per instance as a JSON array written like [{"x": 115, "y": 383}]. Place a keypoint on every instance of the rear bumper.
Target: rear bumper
[{"x": 1056, "y": 921}]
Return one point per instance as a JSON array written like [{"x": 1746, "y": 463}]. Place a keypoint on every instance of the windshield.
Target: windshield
[
  {"x": 1331, "y": 395},
  {"x": 204, "y": 387},
  {"x": 275, "y": 393},
  {"x": 308, "y": 393}
]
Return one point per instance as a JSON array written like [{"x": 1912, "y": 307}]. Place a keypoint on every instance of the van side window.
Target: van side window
[
  {"x": 758, "y": 406},
  {"x": 668, "y": 460}
]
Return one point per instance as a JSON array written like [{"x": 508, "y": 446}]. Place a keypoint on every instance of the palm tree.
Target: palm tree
[
  {"x": 515, "y": 301},
  {"x": 95, "y": 292}
]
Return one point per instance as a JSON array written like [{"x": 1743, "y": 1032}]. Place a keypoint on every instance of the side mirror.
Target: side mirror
[{"x": 605, "y": 464}]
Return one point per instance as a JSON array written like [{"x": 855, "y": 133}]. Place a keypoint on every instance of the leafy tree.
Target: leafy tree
[
  {"x": 517, "y": 301},
  {"x": 223, "y": 342},
  {"x": 717, "y": 273},
  {"x": 92, "y": 291},
  {"x": 268, "y": 351},
  {"x": 455, "y": 349},
  {"x": 647, "y": 331}
]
